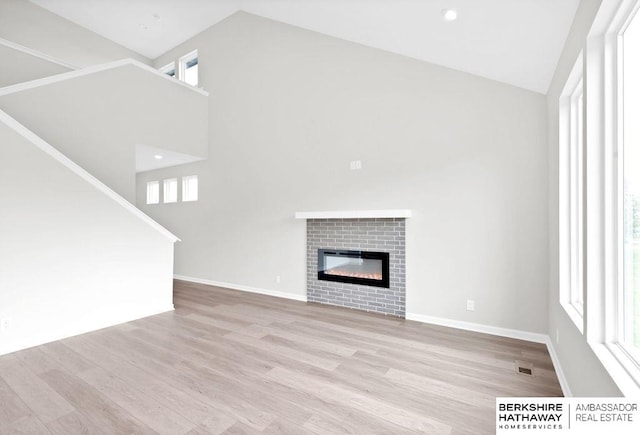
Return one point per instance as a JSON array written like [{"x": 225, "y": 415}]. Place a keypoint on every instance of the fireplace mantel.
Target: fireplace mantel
[{"x": 353, "y": 214}]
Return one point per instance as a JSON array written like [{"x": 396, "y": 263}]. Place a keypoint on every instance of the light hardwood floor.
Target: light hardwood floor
[{"x": 239, "y": 363}]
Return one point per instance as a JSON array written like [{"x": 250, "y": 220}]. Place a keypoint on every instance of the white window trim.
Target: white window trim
[
  {"x": 182, "y": 64},
  {"x": 602, "y": 192},
  {"x": 571, "y": 204}
]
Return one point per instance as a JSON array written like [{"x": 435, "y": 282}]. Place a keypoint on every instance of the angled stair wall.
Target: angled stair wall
[
  {"x": 74, "y": 256},
  {"x": 75, "y": 253}
]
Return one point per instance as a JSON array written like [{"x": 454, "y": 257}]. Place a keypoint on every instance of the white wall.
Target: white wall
[
  {"x": 97, "y": 119},
  {"x": 19, "y": 66},
  {"x": 34, "y": 27},
  {"x": 289, "y": 109},
  {"x": 583, "y": 371},
  {"x": 71, "y": 258}
]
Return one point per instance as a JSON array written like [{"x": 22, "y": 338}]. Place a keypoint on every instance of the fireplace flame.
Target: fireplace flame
[{"x": 350, "y": 273}]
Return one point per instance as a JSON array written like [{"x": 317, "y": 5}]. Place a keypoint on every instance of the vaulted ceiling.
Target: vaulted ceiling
[{"x": 513, "y": 41}]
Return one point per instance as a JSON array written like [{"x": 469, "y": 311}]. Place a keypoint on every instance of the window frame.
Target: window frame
[
  {"x": 603, "y": 192},
  {"x": 156, "y": 196},
  {"x": 571, "y": 194},
  {"x": 187, "y": 193},
  {"x": 169, "y": 67},
  {"x": 182, "y": 66},
  {"x": 630, "y": 354},
  {"x": 165, "y": 183}
]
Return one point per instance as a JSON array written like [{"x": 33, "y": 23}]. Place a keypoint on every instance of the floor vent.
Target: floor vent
[{"x": 524, "y": 368}]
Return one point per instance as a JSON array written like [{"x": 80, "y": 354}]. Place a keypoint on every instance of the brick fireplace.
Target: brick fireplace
[{"x": 358, "y": 235}]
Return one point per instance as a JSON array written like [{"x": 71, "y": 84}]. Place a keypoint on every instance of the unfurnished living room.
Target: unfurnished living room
[{"x": 317, "y": 216}]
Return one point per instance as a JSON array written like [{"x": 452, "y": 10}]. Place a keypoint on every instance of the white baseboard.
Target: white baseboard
[
  {"x": 564, "y": 384},
  {"x": 502, "y": 332},
  {"x": 244, "y": 288},
  {"x": 94, "y": 324},
  {"x": 477, "y": 327}
]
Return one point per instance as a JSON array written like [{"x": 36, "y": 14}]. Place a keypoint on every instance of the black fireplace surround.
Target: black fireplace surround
[{"x": 354, "y": 267}]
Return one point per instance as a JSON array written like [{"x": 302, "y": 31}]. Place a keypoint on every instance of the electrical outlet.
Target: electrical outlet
[
  {"x": 278, "y": 279},
  {"x": 355, "y": 165},
  {"x": 471, "y": 305},
  {"x": 5, "y": 324}
]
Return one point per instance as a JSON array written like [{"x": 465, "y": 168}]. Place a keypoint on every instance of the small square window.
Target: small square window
[
  {"x": 189, "y": 68},
  {"x": 190, "y": 188},
  {"x": 153, "y": 192},
  {"x": 170, "y": 190}
]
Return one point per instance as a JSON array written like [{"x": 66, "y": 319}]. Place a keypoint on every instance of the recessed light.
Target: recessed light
[
  {"x": 158, "y": 157},
  {"x": 449, "y": 14}
]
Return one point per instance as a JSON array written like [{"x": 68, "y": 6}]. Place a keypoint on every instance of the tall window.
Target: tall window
[
  {"x": 613, "y": 191},
  {"x": 571, "y": 160},
  {"x": 629, "y": 183},
  {"x": 170, "y": 190},
  {"x": 189, "y": 68}
]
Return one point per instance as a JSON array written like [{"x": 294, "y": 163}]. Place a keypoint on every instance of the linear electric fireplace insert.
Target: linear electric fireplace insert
[{"x": 354, "y": 267}]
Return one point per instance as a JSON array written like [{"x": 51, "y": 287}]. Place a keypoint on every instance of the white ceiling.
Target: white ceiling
[
  {"x": 513, "y": 41},
  {"x": 149, "y": 158}
]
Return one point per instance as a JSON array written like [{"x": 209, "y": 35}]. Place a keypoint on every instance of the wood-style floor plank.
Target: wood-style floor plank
[
  {"x": 101, "y": 411},
  {"x": 73, "y": 423},
  {"x": 328, "y": 391},
  {"x": 36, "y": 394},
  {"x": 148, "y": 410},
  {"x": 228, "y": 362},
  {"x": 28, "y": 425},
  {"x": 13, "y": 408}
]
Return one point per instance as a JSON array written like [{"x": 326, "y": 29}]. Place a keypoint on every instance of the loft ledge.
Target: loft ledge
[{"x": 353, "y": 214}]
